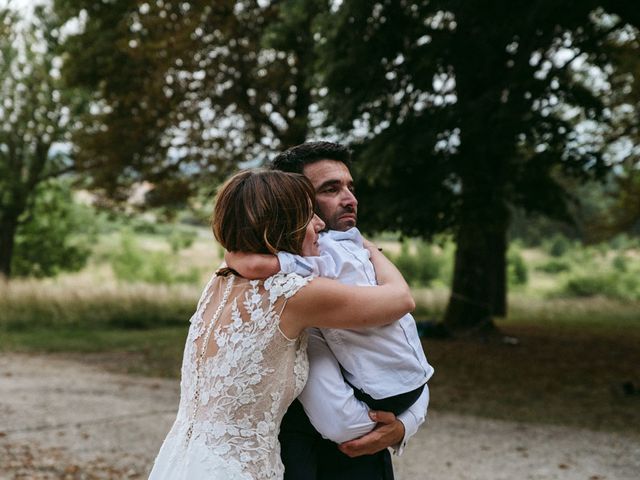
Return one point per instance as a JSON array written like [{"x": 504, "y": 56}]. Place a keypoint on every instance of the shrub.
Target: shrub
[
  {"x": 623, "y": 242},
  {"x": 619, "y": 263},
  {"x": 518, "y": 273},
  {"x": 180, "y": 239},
  {"x": 554, "y": 266},
  {"x": 56, "y": 237},
  {"x": 558, "y": 245},
  {"x": 420, "y": 268},
  {"x": 620, "y": 286},
  {"x": 587, "y": 285},
  {"x": 131, "y": 264}
]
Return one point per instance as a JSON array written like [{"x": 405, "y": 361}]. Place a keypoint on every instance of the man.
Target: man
[{"x": 328, "y": 399}]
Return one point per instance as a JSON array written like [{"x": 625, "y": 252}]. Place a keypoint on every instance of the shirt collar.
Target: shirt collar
[{"x": 352, "y": 234}]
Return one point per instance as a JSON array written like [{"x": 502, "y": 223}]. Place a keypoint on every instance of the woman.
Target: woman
[{"x": 245, "y": 355}]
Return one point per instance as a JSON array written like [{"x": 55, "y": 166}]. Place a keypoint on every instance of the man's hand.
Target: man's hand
[{"x": 389, "y": 431}]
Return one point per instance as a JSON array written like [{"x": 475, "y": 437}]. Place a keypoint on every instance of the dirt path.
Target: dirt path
[{"x": 62, "y": 419}]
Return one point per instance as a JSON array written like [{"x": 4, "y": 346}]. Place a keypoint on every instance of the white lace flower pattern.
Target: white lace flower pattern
[{"x": 248, "y": 377}]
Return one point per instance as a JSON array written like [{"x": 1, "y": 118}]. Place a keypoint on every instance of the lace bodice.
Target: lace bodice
[{"x": 239, "y": 375}]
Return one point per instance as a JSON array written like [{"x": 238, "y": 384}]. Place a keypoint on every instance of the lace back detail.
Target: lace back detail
[
  {"x": 239, "y": 375},
  {"x": 203, "y": 350}
]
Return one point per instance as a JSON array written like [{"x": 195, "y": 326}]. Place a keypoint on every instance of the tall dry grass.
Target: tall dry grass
[
  {"x": 597, "y": 311},
  {"x": 84, "y": 302}
]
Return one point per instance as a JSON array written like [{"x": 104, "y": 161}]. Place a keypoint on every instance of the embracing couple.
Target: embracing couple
[{"x": 302, "y": 360}]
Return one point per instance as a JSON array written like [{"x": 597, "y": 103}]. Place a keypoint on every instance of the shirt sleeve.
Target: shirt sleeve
[
  {"x": 321, "y": 266},
  {"x": 412, "y": 418},
  {"x": 328, "y": 400}
]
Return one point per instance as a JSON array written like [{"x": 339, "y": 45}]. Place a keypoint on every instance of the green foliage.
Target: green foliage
[
  {"x": 555, "y": 265},
  {"x": 464, "y": 112},
  {"x": 464, "y": 108},
  {"x": 558, "y": 245},
  {"x": 204, "y": 87},
  {"x": 624, "y": 242},
  {"x": 534, "y": 229},
  {"x": 56, "y": 236},
  {"x": 37, "y": 115},
  {"x": 517, "y": 271},
  {"x": 131, "y": 264},
  {"x": 419, "y": 268},
  {"x": 180, "y": 239},
  {"x": 619, "y": 263},
  {"x": 616, "y": 285}
]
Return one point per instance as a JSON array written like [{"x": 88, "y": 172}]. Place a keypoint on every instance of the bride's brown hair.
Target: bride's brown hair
[{"x": 263, "y": 211}]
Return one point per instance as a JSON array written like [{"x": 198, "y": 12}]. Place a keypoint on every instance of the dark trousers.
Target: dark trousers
[{"x": 308, "y": 456}]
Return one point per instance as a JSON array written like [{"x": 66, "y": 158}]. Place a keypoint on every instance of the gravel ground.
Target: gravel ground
[{"x": 64, "y": 419}]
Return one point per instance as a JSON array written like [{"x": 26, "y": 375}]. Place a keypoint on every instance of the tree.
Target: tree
[
  {"x": 463, "y": 110},
  {"x": 36, "y": 116},
  {"x": 618, "y": 201},
  {"x": 186, "y": 91}
]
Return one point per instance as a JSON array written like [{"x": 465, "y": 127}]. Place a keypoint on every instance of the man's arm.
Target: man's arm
[
  {"x": 331, "y": 406},
  {"x": 385, "y": 430},
  {"x": 327, "y": 399}
]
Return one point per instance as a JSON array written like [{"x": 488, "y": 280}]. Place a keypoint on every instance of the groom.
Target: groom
[{"x": 328, "y": 400}]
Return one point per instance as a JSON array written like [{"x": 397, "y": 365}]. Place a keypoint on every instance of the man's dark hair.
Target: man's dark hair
[{"x": 295, "y": 158}]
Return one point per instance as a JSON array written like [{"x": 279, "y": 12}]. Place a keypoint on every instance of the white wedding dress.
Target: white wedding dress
[{"x": 239, "y": 375}]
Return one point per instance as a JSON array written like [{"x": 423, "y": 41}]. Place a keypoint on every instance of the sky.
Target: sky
[{"x": 25, "y": 6}]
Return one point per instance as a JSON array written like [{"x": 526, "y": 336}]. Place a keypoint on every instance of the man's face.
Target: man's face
[{"x": 335, "y": 197}]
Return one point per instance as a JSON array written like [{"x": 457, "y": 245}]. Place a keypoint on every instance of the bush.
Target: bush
[
  {"x": 180, "y": 239},
  {"x": 131, "y": 264},
  {"x": 420, "y": 268},
  {"x": 620, "y": 286},
  {"x": 558, "y": 245},
  {"x": 517, "y": 271},
  {"x": 554, "y": 266},
  {"x": 56, "y": 237},
  {"x": 619, "y": 263},
  {"x": 623, "y": 242}
]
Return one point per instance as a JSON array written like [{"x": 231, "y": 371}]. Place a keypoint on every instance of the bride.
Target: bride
[{"x": 245, "y": 356}]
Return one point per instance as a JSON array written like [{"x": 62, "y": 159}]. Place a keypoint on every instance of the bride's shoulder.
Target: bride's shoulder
[{"x": 285, "y": 284}]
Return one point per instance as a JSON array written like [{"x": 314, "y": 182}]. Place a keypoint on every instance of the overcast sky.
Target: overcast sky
[{"x": 22, "y": 5}]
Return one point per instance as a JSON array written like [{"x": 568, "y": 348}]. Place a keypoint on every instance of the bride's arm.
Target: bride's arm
[
  {"x": 252, "y": 265},
  {"x": 330, "y": 304}
]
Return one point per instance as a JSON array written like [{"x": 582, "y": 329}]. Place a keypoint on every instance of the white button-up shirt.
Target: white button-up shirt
[{"x": 382, "y": 361}]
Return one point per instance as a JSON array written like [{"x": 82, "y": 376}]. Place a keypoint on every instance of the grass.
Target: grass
[{"x": 26, "y": 305}]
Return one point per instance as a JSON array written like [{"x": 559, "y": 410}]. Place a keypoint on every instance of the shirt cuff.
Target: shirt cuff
[
  {"x": 398, "y": 448},
  {"x": 290, "y": 263},
  {"x": 411, "y": 425}
]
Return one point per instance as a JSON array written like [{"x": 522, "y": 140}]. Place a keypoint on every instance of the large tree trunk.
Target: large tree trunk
[
  {"x": 8, "y": 227},
  {"x": 478, "y": 292},
  {"x": 499, "y": 271}
]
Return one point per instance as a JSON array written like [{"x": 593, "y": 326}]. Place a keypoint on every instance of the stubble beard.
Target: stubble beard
[{"x": 342, "y": 224}]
